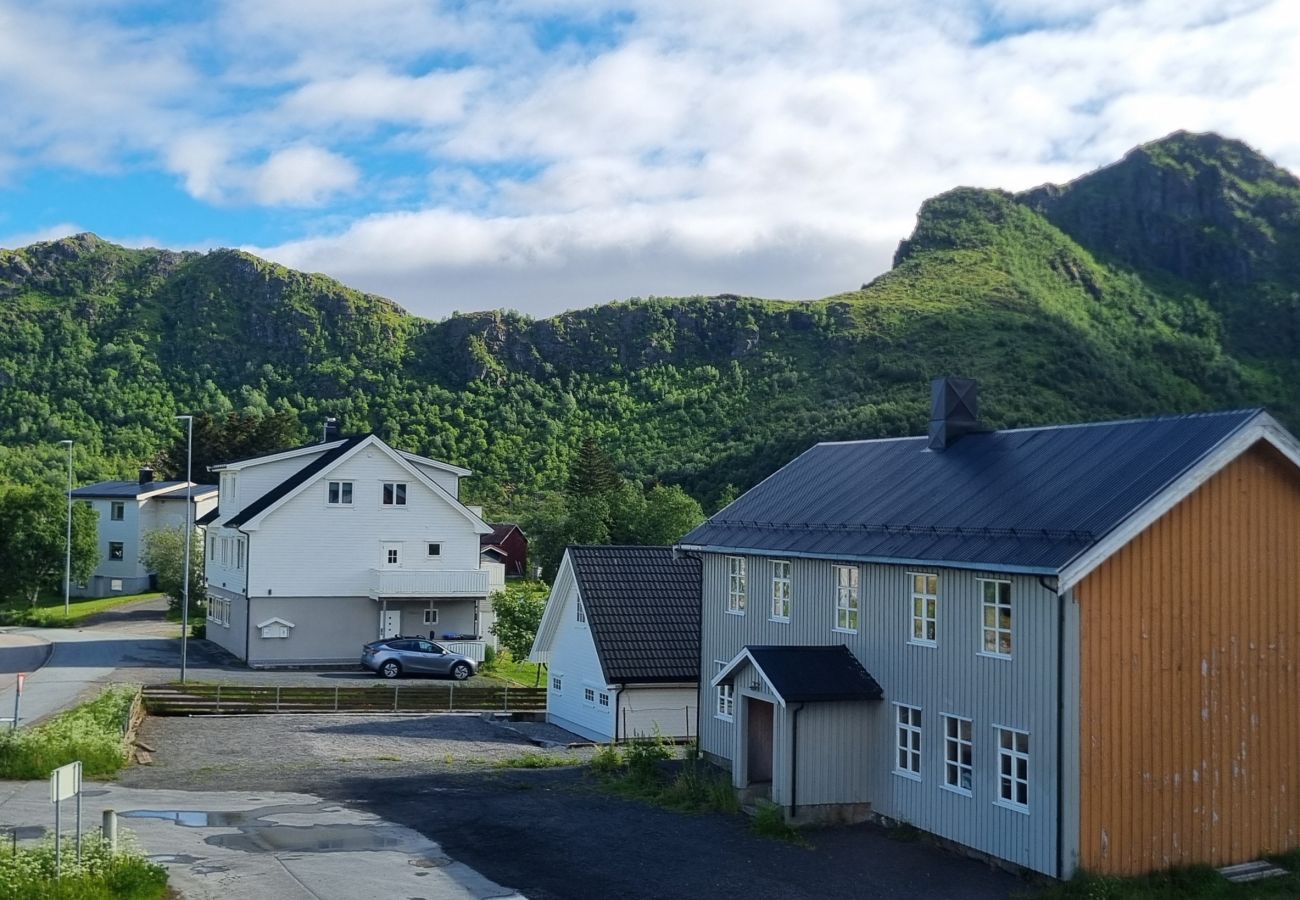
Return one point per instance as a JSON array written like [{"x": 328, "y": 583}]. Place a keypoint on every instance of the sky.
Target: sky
[{"x": 543, "y": 155}]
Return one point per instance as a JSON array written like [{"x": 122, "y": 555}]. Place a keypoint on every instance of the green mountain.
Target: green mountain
[{"x": 1169, "y": 281}]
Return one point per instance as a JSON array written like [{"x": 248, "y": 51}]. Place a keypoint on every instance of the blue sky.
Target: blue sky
[{"x": 551, "y": 154}]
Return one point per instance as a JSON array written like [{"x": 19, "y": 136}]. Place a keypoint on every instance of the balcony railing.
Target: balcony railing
[{"x": 428, "y": 583}]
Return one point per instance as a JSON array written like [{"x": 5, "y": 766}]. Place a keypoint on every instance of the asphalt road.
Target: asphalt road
[{"x": 21, "y": 653}]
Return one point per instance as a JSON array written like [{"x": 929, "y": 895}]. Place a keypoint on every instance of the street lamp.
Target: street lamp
[
  {"x": 67, "y": 559},
  {"x": 189, "y": 538}
]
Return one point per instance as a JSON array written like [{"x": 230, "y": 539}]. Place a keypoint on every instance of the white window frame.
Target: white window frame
[
  {"x": 239, "y": 554},
  {"x": 737, "y": 584},
  {"x": 995, "y": 608},
  {"x": 724, "y": 703},
  {"x": 1010, "y": 757},
  {"x": 929, "y": 611},
  {"x": 434, "y": 549},
  {"x": 225, "y": 613},
  {"x": 580, "y": 611},
  {"x": 589, "y": 695},
  {"x": 338, "y": 488},
  {"x": 557, "y": 683},
  {"x": 392, "y": 556},
  {"x": 116, "y": 511},
  {"x": 953, "y": 744},
  {"x": 907, "y": 741},
  {"x": 782, "y": 589},
  {"x": 431, "y": 616},
  {"x": 390, "y": 489},
  {"x": 847, "y": 612},
  {"x": 602, "y": 699}
]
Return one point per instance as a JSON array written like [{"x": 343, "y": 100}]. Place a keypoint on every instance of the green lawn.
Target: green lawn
[
  {"x": 91, "y": 732},
  {"x": 48, "y": 612},
  {"x": 506, "y": 669}
]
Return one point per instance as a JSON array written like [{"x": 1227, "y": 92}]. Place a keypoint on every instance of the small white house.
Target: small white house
[
  {"x": 315, "y": 551},
  {"x": 128, "y": 510},
  {"x": 620, "y": 637}
]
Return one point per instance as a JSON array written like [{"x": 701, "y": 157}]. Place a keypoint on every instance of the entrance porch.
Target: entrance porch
[{"x": 455, "y": 623}]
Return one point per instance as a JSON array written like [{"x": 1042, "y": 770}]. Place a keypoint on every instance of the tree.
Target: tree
[
  {"x": 163, "y": 552},
  {"x": 227, "y": 437},
  {"x": 669, "y": 513},
  {"x": 33, "y": 541},
  {"x": 518, "y": 609},
  {"x": 592, "y": 473}
]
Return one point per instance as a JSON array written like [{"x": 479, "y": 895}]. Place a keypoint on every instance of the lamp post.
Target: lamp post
[
  {"x": 189, "y": 538},
  {"x": 67, "y": 558}
]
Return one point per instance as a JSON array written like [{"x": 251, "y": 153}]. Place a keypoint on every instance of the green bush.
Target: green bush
[
  {"x": 92, "y": 733},
  {"x": 198, "y": 630},
  {"x": 645, "y": 756},
  {"x": 100, "y": 875},
  {"x": 607, "y": 761},
  {"x": 489, "y": 658}
]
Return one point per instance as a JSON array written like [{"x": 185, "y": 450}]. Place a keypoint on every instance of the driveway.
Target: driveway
[
  {"x": 549, "y": 833},
  {"x": 251, "y": 846}
]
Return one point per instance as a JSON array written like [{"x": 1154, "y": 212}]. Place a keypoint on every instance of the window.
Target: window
[
  {"x": 117, "y": 510},
  {"x": 394, "y": 493},
  {"x": 957, "y": 746},
  {"x": 997, "y": 617},
  {"x": 430, "y": 617},
  {"x": 239, "y": 554},
  {"x": 846, "y": 598},
  {"x": 435, "y": 549},
  {"x": 391, "y": 556},
  {"x": 736, "y": 584},
  {"x": 925, "y": 595},
  {"x": 116, "y": 550},
  {"x": 340, "y": 493},
  {"x": 219, "y": 611},
  {"x": 115, "y": 584},
  {"x": 581, "y": 612},
  {"x": 589, "y": 695},
  {"x": 557, "y": 683},
  {"x": 1013, "y": 768},
  {"x": 909, "y": 741},
  {"x": 212, "y": 548},
  {"x": 726, "y": 706},
  {"x": 781, "y": 590},
  {"x": 604, "y": 699}
]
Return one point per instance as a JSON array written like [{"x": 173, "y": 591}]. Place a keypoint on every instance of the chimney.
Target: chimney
[
  {"x": 954, "y": 410},
  {"x": 331, "y": 430},
  {"x": 146, "y": 475}
]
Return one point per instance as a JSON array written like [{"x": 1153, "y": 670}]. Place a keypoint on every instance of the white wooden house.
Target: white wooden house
[
  {"x": 620, "y": 637},
  {"x": 318, "y": 550}
]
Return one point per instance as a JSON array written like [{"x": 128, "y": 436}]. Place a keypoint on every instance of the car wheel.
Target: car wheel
[
  {"x": 461, "y": 671},
  {"x": 390, "y": 669}
]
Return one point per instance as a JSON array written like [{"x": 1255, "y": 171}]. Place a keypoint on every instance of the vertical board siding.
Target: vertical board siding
[
  {"x": 574, "y": 660},
  {"x": 951, "y": 678},
  {"x": 1189, "y": 713}
]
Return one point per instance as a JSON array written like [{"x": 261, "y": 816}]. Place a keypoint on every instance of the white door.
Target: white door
[
  {"x": 390, "y": 555},
  {"x": 390, "y": 623}
]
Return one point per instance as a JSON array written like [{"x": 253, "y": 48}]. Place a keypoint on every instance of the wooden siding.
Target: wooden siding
[
  {"x": 846, "y": 752},
  {"x": 1189, "y": 714}
]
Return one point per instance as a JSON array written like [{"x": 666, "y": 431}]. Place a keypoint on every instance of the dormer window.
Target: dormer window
[
  {"x": 394, "y": 493},
  {"x": 340, "y": 493}
]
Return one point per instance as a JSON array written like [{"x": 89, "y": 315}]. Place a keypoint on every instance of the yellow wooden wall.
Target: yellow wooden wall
[{"x": 1190, "y": 680}]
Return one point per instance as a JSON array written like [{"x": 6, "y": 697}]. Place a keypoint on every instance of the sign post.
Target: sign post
[
  {"x": 65, "y": 782},
  {"x": 18, "y": 698}
]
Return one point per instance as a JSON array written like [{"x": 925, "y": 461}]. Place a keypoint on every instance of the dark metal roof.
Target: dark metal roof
[
  {"x": 643, "y": 609},
  {"x": 285, "y": 487},
  {"x": 196, "y": 492},
  {"x": 802, "y": 674},
  {"x": 1025, "y": 499},
  {"x": 208, "y": 517},
  {"x": 125, "y": 489}
]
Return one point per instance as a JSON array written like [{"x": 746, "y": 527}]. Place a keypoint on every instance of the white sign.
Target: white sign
[{"x": 65, "y": 782}]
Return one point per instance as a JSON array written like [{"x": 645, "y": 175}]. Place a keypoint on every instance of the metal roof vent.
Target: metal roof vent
[{"x": 954, "y": 410}]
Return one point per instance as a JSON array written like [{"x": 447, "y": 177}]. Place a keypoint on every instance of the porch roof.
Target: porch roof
[{"x": 807, "y": 674}]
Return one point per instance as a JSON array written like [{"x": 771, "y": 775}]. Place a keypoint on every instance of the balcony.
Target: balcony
[{"x": 403, "y": 583}]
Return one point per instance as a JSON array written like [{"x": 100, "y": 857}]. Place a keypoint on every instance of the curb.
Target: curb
[{"x": 49, "y": 650}]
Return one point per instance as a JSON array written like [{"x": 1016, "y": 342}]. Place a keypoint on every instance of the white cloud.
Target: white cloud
[
  {"x": 47, "y": 233},
  {"x": 302, "y": 176}
]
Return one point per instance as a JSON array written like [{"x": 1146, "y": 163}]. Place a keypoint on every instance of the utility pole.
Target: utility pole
[
  {"x": 189, "y": 539},
  {"x": 67, "y": 558}
]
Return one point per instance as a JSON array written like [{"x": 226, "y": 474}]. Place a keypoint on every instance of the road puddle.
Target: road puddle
[{"x": 257, "y": 835}]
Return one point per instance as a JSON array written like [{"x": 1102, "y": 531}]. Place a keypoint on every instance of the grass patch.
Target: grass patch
[
  {"x": 505, "y": 668},
  {"x": 91, "y": 732},
  {"x": 769, "y": 822},
  {"x": 1194, "y": 883},
  {"x": 127, "y": 875},
  {"x": 535, "y": 761},
  {"x": 644, "y": 771},
  {"x": 48, "y": 612}
]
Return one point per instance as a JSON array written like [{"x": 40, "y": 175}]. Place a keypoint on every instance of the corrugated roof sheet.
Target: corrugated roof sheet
[
  {"x": 1028, "y": 499},
  {"x": 815, "y": 674},
  {"x": 643, "y": 608}
]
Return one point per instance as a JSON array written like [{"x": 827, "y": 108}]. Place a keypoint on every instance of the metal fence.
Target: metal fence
[{"x": 229, "y": 699}]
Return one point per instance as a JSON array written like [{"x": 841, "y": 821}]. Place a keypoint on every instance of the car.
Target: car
[{"x": 394, "y": 657}]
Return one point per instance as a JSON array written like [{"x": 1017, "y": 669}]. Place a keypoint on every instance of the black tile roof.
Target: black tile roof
[
  {"x": 643, "y": 608},
  {"x": 802, "y": 674},
  {"x": 285, "y": 487},
  {"x": 126, "y": 488},
  {"x": 1026, "y": 499}
]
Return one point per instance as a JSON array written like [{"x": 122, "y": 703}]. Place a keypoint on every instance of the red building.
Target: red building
[{"x": 506, "y": 544}]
